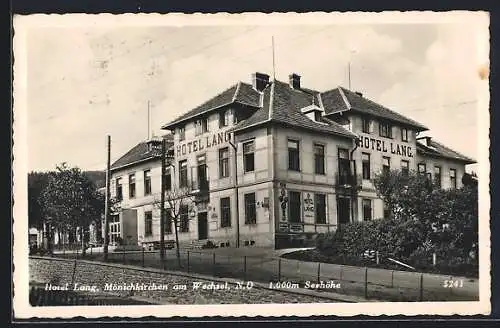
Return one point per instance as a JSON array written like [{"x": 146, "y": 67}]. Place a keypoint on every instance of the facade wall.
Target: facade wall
[
  {"x": 265, "y": 181},
  {"x": 445, "y": 165}
]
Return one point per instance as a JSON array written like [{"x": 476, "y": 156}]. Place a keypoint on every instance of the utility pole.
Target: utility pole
[
  {"x": 349, "y": 73},
  {"x": 162, "y": 199},
  {"x": 106, "y": 202},
  {"x": 235, "y": 147}
]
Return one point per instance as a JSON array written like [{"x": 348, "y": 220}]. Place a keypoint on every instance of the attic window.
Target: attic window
[{"x": 317, "y": 116}]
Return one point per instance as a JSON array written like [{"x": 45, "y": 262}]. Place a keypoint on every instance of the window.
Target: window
[
  {"x": 344, "y": 167},
  {"x": 148, "y": 223},
  {"x": 365, "y": 161},
  {"x": 200, "y": 126},
  {"x": 421, "y": 168},
  {"x": 367, "y": 209},
  {"x": 453, "y": 178},
  {"x": 249, "y": 156},
  {"x": 437, "y": 175},
  {"x": 404, "y": 134},
  {"x": 167, "y": 228},
  {"x": 386, "y": 164},
  {"x": 168, "y": 180},
  {"x": 147, "y": 182},
  {"x": 225, "y": 212},
  {"x": 385, "y": 130},
  {"x": 184, "y": 218},
  {"x": 319, "y": 159},
  {"x": 405, "y": 167},
  {"x": 131, "y": 185},
  {"x": 182, "y": 133},
  {"x": 320, "y": 208},
  {"x": 294, "y": 207},
  {"x": 183, "y": 174},
  {"x": 250, "y": 210},
  {"x": 119, "y": 189},
  {"x": 293, "y": 155},
  {"x": 224, "y": 118},
  {"x": 366, "y": 125},
  {"x": 224, "y": 162}
]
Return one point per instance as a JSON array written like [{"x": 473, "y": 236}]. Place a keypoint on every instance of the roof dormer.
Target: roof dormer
[{"x": 313, "y": 112}]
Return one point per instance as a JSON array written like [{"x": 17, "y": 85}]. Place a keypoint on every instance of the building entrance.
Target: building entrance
[
  {"x": 202, "y": 226},
  {"x": 343, "y": 210}
]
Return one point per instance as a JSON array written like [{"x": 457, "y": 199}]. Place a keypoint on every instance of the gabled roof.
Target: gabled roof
[
  {"x": 430, "y": 147},
  {"x": 240, "y": 92},
  {"x": 341, "y": 99},
  {"x": 141, "y": 153},
  {"x": 282, "y": 104}
]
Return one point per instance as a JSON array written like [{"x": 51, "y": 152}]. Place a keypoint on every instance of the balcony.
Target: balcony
[
  {"x": 199, "y": 184},
  {"x": 348, "y": 182}
]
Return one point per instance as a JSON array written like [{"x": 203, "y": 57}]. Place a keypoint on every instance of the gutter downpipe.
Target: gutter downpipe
[{"x": 237, "y": 192}]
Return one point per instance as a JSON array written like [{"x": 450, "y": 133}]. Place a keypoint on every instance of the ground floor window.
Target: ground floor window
[
  {"x": 294, "y": 207},
  {"x": 367, "y": 209},
  {"x": 184, "y": 219},
  {"x": 320, "y": 208},
  {"x": 225, "y": 212},
  {"x": 168, "y": 222},
  {"x": 250, "y": 209},
  {"x": 343, "y": 210},
  {"x": 148, "y": 223}
]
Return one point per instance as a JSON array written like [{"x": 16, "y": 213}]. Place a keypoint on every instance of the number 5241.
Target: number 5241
[{"x": 453, "y": 283}]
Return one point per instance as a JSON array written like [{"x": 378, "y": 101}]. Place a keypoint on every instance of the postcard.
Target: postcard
[{"x": 299, "y": 164}]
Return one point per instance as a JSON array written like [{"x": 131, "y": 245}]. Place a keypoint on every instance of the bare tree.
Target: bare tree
[{"x": 178, "y": 203}]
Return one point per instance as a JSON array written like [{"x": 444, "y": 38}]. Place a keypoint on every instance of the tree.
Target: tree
[
  {"x": 178, "y": 203},
  {"x": 72, "y": 201},
  {"x": 435, "y": 219},
  {"x": 37, "y": 181}
]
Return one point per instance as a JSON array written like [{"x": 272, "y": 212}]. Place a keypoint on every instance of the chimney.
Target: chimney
[
  {"x": 294, "y": 81},
  {"x": 260, "y": 81},
  {"x": 359, "y": 93}
]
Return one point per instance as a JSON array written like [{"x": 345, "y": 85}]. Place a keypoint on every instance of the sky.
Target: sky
[{"x": 89, "y": 80}]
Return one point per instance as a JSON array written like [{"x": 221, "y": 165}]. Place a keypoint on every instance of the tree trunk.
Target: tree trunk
[
  {"x": 177, "y": 251},
  {"x": 82, "y": 236}
]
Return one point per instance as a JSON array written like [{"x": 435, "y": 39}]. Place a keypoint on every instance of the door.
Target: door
[
  {"x": 202, "y": 226},
  {"x": 343, "y": 210}
]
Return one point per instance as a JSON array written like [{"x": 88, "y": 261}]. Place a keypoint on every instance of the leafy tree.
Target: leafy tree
[
  {"x": 71, "y": 200},
  {"x": 176, "y": 200},
  {"x": 37, "y": 181}
]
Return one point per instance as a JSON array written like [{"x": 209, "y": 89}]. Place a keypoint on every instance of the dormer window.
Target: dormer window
[
  {"x": 201, "y": 126},
  {"x": 313, "y": 112},
  {"x": 317, "y": 116},
  {"x": 225, "y": 118}
]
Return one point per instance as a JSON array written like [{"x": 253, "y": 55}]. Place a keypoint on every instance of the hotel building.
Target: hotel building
[{"x": 270, "y": 163}]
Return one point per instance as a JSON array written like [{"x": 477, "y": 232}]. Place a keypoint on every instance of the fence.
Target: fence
[{"x": 370, "y": 283}]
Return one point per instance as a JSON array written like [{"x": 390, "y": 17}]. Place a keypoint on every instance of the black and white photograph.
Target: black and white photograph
[{"x": 254, "y": 164}]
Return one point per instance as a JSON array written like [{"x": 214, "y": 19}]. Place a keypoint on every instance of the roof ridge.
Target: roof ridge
[
  {"x": 321, "y": 102},
  {"x": 448, "y": 148},
  {"x": 236, "y": 91},
  {"x": 346, "y": 101},
  {"x": 271, "y": 100},
  {"x": 386, "y": 108}
]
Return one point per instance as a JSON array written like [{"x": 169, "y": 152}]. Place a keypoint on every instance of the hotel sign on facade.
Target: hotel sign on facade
[
  {"x": 202, "y": 143},
  {"x": 368, "y": 142}
]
